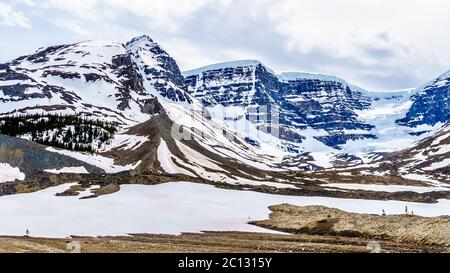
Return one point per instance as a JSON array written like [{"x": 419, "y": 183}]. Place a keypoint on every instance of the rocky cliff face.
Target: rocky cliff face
[
  {"x": 431, "y": 105},
  {"x": 302, "y": 101},
  {"x": 159, "y": 70}
]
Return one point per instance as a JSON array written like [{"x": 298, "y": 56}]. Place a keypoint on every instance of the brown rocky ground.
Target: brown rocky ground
[
  {"x": 319, "y": 220},
  {"x": 225, "y": 242}
]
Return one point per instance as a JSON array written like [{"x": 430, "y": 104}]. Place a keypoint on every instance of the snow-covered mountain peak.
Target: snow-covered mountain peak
[
  {"x": 445, "y": 74},
  {"x": 292, "y": 76},
  {"x": 97, "y": 79},
  {"x": 145, "y": 48},
  {"x": 70, "y": 54},
  {"x": 161, "y": 74},
  {"x": 91, "y": 78},
  {"x": 442, "y": 80},
  {"x": 226, "y": 65},
  {"x": 431, "y": 103},
  {"x": 139, "y": 41}
]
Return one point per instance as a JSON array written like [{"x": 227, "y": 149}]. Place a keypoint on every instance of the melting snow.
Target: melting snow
[
  {"x": 105, "y": 163},
  {"x": 68, "y": 170},
  {"x": 9, "y": 173},
  {"x": 420, "y": 177},
  {"x": 386, "y": 188},
  {"x": 165, "y": 159},
  {"x": 437, "y": 165},
  {"x": 169, "y": 208},
  {"x": 126, "y": 142}
]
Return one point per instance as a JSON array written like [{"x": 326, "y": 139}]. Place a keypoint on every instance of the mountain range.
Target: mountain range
[{"x": 99, "y": 107}]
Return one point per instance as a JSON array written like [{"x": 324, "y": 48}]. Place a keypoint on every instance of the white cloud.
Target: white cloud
[
  {"x": 70, "y": 25},
  {"x": 30, "y": 3},
  {"x": 167, "y": 14},
  {"x": 84, "y": 9},
  {"x": 13, "y": 18},
  {"x": 375, "y": 43},
  {"x": 369, "y": 40}
]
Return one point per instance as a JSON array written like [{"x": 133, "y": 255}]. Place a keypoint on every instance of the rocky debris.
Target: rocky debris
[
  {"x": 11, "y": 75},
  {"x": 20, "y": 90},
  {"x": 152, "y": 106},
  {"x": 72, "y": 191},
  {"x": 30, "y": 157},
  {"x": 107, "y": 189},
  {"x": 319, "y": 220}
]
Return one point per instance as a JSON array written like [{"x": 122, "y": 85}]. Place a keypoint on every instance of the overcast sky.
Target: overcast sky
[{"x": 377, "y": 44}]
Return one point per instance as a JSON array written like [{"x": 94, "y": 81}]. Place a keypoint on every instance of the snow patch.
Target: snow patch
[
  {"x": 386, "y": 188},
  {"x": 437, "y": 165},
  {"x": 169, "y": 208},
  {"x": 68, "y": 170},
  {"x": 165, "y": 159},
  {"x": 105, "y": 163},
  {"x": 125, "y": 142},
  {"x": 9, "y": 173}
]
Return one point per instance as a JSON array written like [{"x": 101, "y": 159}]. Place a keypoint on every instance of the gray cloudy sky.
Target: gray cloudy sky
[{"x": 377, "y": 44}]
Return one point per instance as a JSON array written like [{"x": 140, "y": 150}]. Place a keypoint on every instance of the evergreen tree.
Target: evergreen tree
[{"x": 56, "y": 130}]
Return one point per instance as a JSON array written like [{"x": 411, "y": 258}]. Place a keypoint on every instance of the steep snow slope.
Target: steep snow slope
[
  {"x": 204, "y": 147},
  {"x": 92, "y": 79},
  {"x": 386, "y": 108}
]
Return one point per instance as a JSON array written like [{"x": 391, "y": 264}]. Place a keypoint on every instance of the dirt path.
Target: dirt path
[{"x": 207, "y": 242}]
